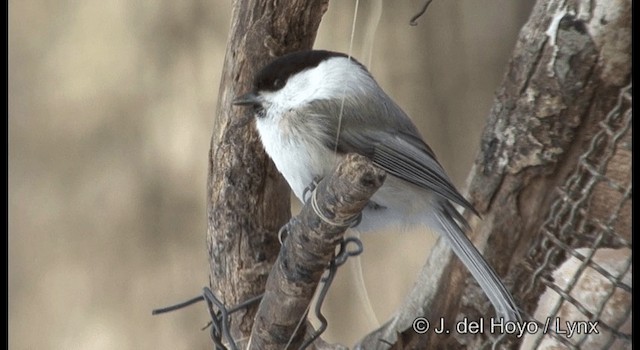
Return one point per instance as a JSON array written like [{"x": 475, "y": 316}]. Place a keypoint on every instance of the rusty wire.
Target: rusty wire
[
  {"x": 568, "y": 233},
  {"x": 220, "y": 313}
]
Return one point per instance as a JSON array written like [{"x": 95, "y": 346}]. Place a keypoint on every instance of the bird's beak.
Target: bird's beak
[{"x": 248, "y": 99}]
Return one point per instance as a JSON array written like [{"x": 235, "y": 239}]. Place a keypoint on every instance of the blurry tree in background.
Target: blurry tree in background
[{"x": 110, "y": 114}]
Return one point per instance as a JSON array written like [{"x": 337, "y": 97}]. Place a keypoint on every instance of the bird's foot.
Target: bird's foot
[{"x": 312, "y": 187}]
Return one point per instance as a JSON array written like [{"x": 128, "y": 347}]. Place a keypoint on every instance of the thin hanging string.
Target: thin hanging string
[
  {"x": 356, "y": 264},
  {"x": 295, "y": 331},
  {"x": 344, "y": 90},
  {"x": 344, "y": 86},
  {"x": 371, "y": 27},
  {"x": 349, "y": 53}
]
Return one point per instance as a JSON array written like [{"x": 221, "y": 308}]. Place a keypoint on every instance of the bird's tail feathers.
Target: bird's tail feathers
[{"x": 450, "y": 220}]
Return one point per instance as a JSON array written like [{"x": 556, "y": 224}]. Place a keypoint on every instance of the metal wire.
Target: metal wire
[
  {"x": 220, "y": 319},
  {"x": 569, "y": 232},
  {"x": 341, "y": 257},
  {"x": 414, "y": 20}
]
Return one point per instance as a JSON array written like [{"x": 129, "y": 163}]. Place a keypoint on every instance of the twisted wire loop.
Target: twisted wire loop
[
  {"x": 220, "y": 320},
  {"x": 350, "y": 222},
  {"x": 348, "y": 247},
  {"x": 344, "y": 253},
  {"x": 284, "y": 231},
  {"x": 311, "y": 188},
  {"x": 220, "y": 314}
]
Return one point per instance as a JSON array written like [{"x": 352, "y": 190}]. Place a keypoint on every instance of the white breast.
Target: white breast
[
  {"x": 292, "y": 154},
  {"x": 290, "y": 132}
]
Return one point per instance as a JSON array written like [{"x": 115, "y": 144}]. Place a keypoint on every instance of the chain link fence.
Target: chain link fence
[{"x": 580, "y": 281}]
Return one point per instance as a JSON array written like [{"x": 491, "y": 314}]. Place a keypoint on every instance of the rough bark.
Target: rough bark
[
  {"x": 307, "y": 250},
  {"x": 569, "y": 73},
  {"x": 248, "y": 201}
]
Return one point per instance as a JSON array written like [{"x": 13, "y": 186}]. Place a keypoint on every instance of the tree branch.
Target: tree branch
[
  {"x": 309, "y": 247},
  {"x": 248, "y": 200}
]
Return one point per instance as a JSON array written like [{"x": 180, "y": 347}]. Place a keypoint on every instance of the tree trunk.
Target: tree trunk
[
  {"x": 248, "y": 201},
  {"x": 553, "y": 173}
]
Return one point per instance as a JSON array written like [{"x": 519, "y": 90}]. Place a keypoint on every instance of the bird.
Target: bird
[{"x": 313, "y": 107}]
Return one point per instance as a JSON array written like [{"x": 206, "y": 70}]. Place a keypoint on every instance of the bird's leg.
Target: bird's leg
[
  {"x": 312, "y": 187},
  {"x": 356, "y": 221},
  {"x": 371, "y": 205}
]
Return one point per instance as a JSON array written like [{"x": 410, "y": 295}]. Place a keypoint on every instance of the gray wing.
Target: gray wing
[
  {"x": 392, "y": 142},
  {"x": 404, "y": 156}
]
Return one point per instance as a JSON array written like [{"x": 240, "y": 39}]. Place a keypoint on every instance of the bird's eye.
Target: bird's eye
[{"x": 278, "y": 83}]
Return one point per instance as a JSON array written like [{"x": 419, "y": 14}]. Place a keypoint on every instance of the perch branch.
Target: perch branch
[{"x": 308, "y": 249}]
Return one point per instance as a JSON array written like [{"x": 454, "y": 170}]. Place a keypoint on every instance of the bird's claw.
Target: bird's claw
[
  {"x": 312, "y": 187},
  {"x": 356, "y": 221}
]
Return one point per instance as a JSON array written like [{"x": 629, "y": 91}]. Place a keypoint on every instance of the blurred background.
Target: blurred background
[{"x": 110, "y": 115}]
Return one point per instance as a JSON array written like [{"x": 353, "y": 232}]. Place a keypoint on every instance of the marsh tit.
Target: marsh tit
[{"x": 314, "y": 107}]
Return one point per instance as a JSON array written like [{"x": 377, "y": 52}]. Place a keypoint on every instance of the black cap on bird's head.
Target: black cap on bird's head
[{"x": 274, "y": 75}]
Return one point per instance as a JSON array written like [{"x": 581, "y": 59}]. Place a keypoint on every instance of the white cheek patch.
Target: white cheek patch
[
  {"x": 290, "y": 136},
  {"x": 321, "y": 83}
]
